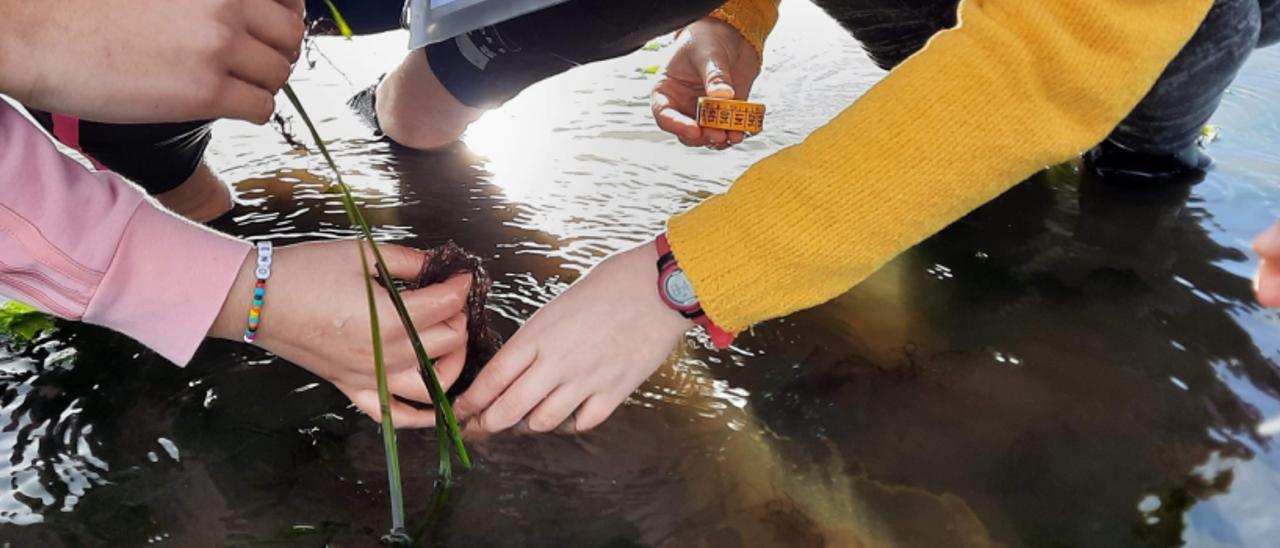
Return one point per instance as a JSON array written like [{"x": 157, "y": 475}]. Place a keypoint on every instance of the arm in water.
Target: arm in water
[
  {"x": 1014, "y": 88},
  {"x": 89, "y": 246}
]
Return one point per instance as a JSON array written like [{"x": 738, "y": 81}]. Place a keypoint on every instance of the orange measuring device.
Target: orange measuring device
[{"x": 730, "y": 114}]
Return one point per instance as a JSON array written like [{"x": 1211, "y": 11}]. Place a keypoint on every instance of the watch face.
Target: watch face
[{"x": 678, "y": 290}]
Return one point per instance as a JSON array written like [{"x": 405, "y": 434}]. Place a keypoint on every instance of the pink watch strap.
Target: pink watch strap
[{"x": 719, "y": 337}]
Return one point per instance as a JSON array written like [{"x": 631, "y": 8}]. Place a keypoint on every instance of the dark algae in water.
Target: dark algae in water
[
  {"x": 1073, "y": 365},
  {"x": 446, "y": 424},
  {"x": 447, "y": 261}
]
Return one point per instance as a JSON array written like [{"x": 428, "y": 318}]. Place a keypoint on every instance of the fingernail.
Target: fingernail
[{"x": 720, "y": 86}]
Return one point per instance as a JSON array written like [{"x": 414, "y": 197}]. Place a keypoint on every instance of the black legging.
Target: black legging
[
  {"x": 1167, "y": 121},
  {"x": 543, "y": 44},
  {"x": 1173, "y": 113}
]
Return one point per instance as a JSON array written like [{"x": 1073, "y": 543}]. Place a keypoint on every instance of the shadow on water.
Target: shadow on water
[
  {"x": 1072, "y": 364},
  {"x": 1058, "y": 359}
]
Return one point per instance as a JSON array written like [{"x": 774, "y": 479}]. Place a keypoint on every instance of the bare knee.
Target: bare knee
[
  {"x": 202, "y": 197},
  {"x": 416, "y": 111}
]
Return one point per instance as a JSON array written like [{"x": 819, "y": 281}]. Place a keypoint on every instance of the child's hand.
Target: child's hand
[
  {"x": 713, "y": 60},
  {"x": 130, "y": 61},
  {"x": 586, "y": 350},
  {"x": 1267, "y": 282},
  {"x": 316, "y": 315}
]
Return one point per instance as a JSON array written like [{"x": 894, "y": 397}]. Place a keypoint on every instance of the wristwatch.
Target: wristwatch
[{"x": 676, "y": 291}]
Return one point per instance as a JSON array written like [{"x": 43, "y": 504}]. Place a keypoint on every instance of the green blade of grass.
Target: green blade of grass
[
  {"x": 384, "y": 403},
  {"x": 390, "y": 446},
  {"x": 436, "y": 515},
  {"x": 343, "y": 27},
  {"x": 444, "y": 411},
  {"x": 446, "y": 473}
]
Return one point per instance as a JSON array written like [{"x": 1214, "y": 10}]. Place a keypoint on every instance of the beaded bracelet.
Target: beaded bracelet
[{"x": 259, "y": 291}]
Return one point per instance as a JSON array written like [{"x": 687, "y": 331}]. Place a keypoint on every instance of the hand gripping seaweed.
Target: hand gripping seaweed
[{"x": 442, "y": 263}]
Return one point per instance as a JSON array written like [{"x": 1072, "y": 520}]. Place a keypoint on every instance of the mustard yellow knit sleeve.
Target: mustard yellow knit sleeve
[
  {"x": 1015, "y": 87},
  {"x": 754, "y": 19}
]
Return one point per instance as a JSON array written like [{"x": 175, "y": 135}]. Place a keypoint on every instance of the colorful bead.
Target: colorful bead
[{"x": 259, "y": 291}]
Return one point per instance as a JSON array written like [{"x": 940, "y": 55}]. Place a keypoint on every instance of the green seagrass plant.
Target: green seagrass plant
[{"x": 449, "y": 434}]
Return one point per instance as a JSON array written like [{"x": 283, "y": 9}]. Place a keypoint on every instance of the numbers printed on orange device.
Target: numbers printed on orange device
[{"x": 730, "y": 114}]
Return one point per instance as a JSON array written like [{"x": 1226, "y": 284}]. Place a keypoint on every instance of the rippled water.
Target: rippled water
[{"x": 1069, "y": 365}]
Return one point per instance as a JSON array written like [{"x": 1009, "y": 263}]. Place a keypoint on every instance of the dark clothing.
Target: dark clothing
[
  {"x": 158, "y": 157},
  {"x": 487, "y": 67},
  {"x": 1173, "y": 113},
  {"x": 363, "y": 16}
]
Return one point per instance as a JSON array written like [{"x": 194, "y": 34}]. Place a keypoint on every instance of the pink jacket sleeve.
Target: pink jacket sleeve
[{"x": 89, "y": 246}]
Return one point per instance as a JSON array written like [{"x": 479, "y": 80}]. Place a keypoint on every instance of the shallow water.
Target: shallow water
[{"x": 1069, "y": 365}]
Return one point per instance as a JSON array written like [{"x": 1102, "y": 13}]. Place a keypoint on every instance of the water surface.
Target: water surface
[{"x": 1070, "y": 365}]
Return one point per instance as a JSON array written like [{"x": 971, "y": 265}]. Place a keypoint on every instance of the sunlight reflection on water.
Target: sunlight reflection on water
[{"x": 1067, "y": 350}]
